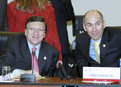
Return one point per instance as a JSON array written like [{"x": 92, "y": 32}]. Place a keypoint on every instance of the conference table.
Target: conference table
[{"x": 55, "y": 82}]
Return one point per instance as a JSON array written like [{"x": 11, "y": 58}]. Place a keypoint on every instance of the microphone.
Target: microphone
[
  {"x": 29, "y": 77},
  {"x": 33, "y": 54},
  {"x": 64, "y": 72}
]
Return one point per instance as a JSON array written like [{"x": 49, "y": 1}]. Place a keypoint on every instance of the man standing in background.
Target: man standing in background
[
  {"x": 3, "y": 20},
  {"x": 63, "y": 13}
]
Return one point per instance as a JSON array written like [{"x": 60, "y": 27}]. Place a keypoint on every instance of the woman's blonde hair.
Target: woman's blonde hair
[{"x": 25, "y": 5}]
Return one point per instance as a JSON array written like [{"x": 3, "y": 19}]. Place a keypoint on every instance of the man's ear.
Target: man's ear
[
  {"x": 25, "y": 32},
  {"x": 84, "y": 27},
  {"x": 104, "y": 25},
  {"x": 44, "y": 35}
]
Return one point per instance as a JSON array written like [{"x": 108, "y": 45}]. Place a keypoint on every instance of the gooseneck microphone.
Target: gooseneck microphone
[
  {"x": 29, "y": 77},
  {"x": 33, "y": 54}
]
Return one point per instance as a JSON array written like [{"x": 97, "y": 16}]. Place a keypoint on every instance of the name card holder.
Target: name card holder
[{"x": 111, "y": 74}]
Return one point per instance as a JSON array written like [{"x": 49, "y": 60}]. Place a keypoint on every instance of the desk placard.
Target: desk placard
[{"x": 101, "y": 74}]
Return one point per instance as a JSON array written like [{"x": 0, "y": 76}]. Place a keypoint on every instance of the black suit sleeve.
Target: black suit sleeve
[
  {"x": 13, "y": 56},
  {"x": 80, "y": 58},
  {"x": 53, "y": 65},
  {"x": 6, "y": 55},
  {"x": 3, "y": 18}
]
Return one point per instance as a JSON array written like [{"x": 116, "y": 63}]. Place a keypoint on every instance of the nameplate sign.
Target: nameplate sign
[{"x": 111, "y": 74}]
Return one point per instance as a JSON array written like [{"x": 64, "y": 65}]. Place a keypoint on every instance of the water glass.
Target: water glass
[{"x": 6, "y": 73}]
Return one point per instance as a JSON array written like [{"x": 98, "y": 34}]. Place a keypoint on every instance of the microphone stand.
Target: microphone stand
[
  {"x": 64, "y": 72},
  {"x": 29, "y": 77},
  {"x": 33, "y": 54}
]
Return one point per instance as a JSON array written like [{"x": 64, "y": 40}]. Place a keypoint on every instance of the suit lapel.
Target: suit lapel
[
  {"x": 104, "y": 45},
  {"x": 42, "y": 58}
]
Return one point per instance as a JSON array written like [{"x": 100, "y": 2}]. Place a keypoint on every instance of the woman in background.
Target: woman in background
[{"x": 18, "y": 11}]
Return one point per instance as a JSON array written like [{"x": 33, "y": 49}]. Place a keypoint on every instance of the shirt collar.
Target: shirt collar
[
  {"x": 92, "y": 41},
  {"x": 30, "y": 46}
]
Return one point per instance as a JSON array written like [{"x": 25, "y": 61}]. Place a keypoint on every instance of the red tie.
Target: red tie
[{"x": 36, "y": 67}]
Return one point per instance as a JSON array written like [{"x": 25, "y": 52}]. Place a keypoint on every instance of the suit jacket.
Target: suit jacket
[
  {"x": 3, "y": 20},
  {"x": 18, "y": 56},
  {"x": 17, "y": 20},
  {"x": 63, "y": 12},
  {"x": 110, "y": 50}
]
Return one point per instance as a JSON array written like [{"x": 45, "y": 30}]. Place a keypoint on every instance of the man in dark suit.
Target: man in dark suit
[
  {"x": 3, "y": 19},
  {"x": 17, "y": 54},
  {"x": 110, "y": 46},
  {"x": 63, "y": 13}
]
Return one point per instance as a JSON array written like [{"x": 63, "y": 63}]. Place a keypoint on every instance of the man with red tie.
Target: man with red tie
[{"x": 21, "y": 50}]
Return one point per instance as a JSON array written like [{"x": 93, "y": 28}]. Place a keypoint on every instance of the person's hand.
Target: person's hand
[
  {"x": 30, "y": 72},
  {"x": 59, "y": 61},
  {"x": 36, "y": 74}
]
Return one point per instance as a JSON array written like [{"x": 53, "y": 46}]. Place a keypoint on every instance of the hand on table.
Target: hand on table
[{"x": 30, "y": 72}]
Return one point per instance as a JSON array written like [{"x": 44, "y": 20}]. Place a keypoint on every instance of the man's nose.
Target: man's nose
[
  {"x": 94, "y": 28},
  {"x": 36, "y": 31}
]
